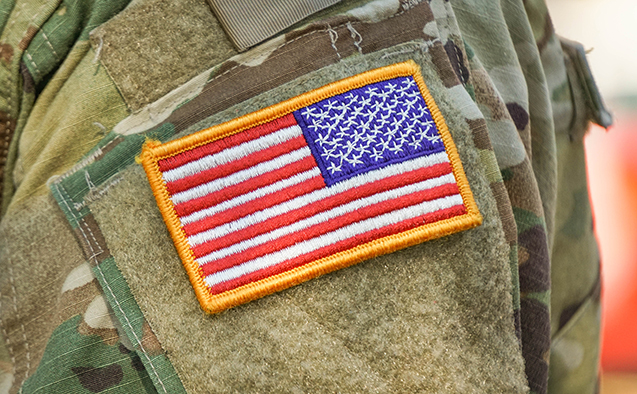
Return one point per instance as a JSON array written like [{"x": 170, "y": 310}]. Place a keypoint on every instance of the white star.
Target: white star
[
  {"x": 350, "y": 146},
  {"x": 391, "y": 86},
  {"x": 415, "y": 93},
  {"x": 363, "y": 147},
  {"x": 383, "y": 95},
  {"x": 371, "y": 114},
  {"x": 308, "y": 111},
  {"x": 334, "y": 168},
  {"x": 341, "y": 107},
  {"x": 404, "y": 113},
  {"x": 344, "y": 131},
  {"x": 409, "y": 83},
  {"x": 409, "y": 128},
  {"x": 384, "y": 144},
  {"x": 371, "y": 91},
  {"x": 357, "y": 111},
  {"x": 366, "y": 102},
  {"x": 396, "y": 123},
  {"x": 397, "y": 148},
  {"x": 364, "y": 127},
  {"x": 330, "y": 105},
  {"x": 428, "y": 123},
  {"x": 422, "y": 111},
  {"x": 388, "y": 107},
  {"x": 356, "y": 160},
  {"x": 432, "y": 138},
  {"x": 334, "y": 141},
  {"x": 327, "y": 153},
  {"x": 411, "y": 104},
  {"x": 383, "y": 119},
  {"x": 322, "y": 139},
  {"x": 377, "y": 155},
  {"x": 370, "y": 138},
  {"x": 352, "y": 97},
  {"x": 415, "y": 143}
]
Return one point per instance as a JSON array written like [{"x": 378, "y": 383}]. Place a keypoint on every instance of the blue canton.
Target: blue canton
[{"x": 369, "y": 127}]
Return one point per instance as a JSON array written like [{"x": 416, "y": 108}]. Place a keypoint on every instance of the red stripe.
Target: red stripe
[
  {"x": 197, "y": 204},
  {"x": 255, "y": 205},
  {"x": 319, "y": 229},
  {"x": 217, "y": 146},
  {"x": 235, "y": 165},
  {"x": 338, "y": 247},
  {"x": 325, "y": 204}
]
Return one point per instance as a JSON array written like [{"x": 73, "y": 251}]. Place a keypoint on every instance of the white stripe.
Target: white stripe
[
  {"x": 234, "y": 153},
  {"x": 241, "y": 176},
  {"x": 258, "y": 193},
  {"x": 304, "y": 200},
  {"x": 331, "y": 238},
  {"x": 321, "y": 217}
]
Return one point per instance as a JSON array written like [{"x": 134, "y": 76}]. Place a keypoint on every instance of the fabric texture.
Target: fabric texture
[
  {"x": 302, "y": 310},
  {"x": 152, "y": 47},
  {"x": 248, "y": 23},
  {"x": 94, "y": 298}
]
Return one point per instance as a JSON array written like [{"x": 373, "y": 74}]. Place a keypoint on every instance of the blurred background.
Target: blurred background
[{"x": 608, "y": 29}]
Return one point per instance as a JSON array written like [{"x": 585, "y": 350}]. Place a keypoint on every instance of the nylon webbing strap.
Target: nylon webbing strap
[{"x": 248, "y": 22}]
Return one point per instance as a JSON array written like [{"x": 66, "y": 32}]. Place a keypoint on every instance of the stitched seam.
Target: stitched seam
[
  {"x": 91, "y": 198},
  {"x": 57, "y": 57},
  {"x": 333, "y": 38},
  {"x": 356, "y": 37},
  {"x": 17, "y": 315},
  {"x": 65, "y": 195},
  {"x": 15, "y": 18},
  {"x": 5, "y": 146},
  {"x": 88, "y": 160},
  {"x": 37, "y": 70},
  {"x": 10, "y": 348},
  {"x": 303, "y": 36}
]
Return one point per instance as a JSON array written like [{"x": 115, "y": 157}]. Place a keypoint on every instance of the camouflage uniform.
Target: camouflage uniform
[{"x": 93, "y": 297}]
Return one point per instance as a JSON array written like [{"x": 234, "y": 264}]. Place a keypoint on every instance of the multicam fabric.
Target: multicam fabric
[{"x": 70, "y": 322}]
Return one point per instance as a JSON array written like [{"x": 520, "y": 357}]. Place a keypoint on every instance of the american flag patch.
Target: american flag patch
[{"x": 358, "y": 168}]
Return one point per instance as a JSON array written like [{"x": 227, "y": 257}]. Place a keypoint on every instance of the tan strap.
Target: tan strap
[{"x": 248, "y": 22}]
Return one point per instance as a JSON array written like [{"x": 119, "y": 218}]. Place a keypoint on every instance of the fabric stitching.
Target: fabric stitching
[
  {"x": 300, "y": 37},
  {"x": 65, "y": 195},
  {"x": 37, "y": 70},
  {"x": 94, "y": 197},
  {"x": 356, "y": 37},
  {"x": 98, "y": 52},
  {"x": 5, "y": 143},
  {"x": 17, "y": 14},
  {"x": 10, "y": 349},
  {"x": 88, "y": 160},
  {"x": 24, "y": 335},
  {"x": 333, "y": 38},
  {"x": 57, "y": 57}
]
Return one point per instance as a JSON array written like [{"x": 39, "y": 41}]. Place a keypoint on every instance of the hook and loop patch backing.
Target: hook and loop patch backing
[{"x": 355, "y": 169}]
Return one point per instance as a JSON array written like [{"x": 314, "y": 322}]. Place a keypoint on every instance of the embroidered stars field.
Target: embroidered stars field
[
  {"x": 369, "y": 127},
  {"x": 358, "y": 168}
]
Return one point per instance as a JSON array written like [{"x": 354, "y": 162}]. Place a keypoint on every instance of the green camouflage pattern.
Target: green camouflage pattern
[
  {"x": 41, "y": 40},
  {"x": 535, "y": 96}
]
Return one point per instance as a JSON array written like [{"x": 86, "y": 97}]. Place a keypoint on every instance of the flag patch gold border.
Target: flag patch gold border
[{"x": 154, "y": 151}]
